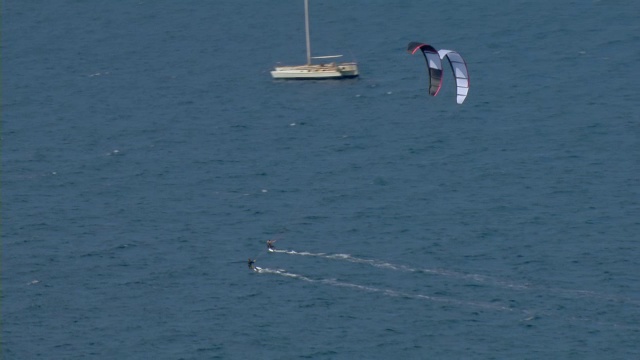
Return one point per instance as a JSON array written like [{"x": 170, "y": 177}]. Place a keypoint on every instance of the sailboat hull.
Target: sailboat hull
[{"x": 320, "y": 71}]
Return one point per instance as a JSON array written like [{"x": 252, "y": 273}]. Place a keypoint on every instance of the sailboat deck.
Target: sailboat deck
[{"x": 316, "y": 67}]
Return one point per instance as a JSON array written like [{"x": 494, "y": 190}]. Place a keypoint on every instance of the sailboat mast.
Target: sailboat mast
[{"x": 306, "y": 26}]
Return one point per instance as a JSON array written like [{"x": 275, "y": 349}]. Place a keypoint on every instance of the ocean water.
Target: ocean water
[{"x": 147, "y": 153}]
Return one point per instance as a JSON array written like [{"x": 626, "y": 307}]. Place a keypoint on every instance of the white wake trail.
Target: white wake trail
[
  {"x": 483, "y": 279},
  {"x": 386, "y": 292},
  {"x": 528, "y": 315}
]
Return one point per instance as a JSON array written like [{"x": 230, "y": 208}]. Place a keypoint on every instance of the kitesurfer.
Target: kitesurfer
[
  {"x": 251, "y": 262},
  {"x": 270, "y": 244}
]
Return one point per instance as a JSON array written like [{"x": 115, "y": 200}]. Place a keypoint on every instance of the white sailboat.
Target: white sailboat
[{"x": 329, "y": 70}]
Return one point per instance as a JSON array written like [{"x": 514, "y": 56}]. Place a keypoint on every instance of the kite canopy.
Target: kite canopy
[
  {"x": 434, "y": 64},
  {"x": 460, "y": 71}
]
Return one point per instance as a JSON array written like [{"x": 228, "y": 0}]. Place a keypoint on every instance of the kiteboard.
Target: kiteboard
[
  {"x": 257, "y": 269},
  {"x": 271, "y": 250}
]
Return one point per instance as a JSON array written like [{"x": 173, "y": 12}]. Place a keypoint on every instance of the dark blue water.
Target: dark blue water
[{"x": 147, "y": 153}]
